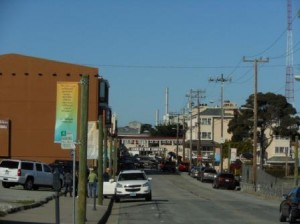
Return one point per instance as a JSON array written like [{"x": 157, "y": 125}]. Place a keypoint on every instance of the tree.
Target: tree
[{"x": 275, "y": 117}]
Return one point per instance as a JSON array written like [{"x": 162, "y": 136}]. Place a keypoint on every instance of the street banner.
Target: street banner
[
  {"x": 93, "y": 139},
  {"x": 217, "y": 155},
  {"x": 233, "y": 154},
  {"x": 66, "y": 110}
]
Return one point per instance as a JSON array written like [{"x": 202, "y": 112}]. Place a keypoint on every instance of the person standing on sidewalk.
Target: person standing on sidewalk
[
  {"x": 92, "y": 183},
  {"x": 68, "y": 183}
]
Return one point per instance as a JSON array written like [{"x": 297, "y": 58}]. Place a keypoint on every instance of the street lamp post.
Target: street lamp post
[{"x": 297, "y": 78}]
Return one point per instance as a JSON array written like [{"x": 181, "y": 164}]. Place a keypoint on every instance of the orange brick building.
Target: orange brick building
[{"x": 28, "y": 105}]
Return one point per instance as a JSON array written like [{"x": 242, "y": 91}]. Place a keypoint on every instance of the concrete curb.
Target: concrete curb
[
  {"x": 108, "y": 211},
  {"x": 25, "y": 207}
]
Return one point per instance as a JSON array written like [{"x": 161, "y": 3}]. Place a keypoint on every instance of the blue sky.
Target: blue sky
[{"x": 143, "y": 47}]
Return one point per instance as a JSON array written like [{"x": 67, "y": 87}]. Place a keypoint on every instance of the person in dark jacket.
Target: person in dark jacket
[{"x": 68, "y": 183}]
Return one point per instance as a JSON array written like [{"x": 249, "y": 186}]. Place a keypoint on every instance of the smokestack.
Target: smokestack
[
  {"x": 167, "y": 101},
  {"x": 157, "y": 118}
]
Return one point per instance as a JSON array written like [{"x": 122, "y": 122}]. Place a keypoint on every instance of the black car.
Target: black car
[
  {"x": 290, "y": 207},
  {"x": 225, "y": 180}
]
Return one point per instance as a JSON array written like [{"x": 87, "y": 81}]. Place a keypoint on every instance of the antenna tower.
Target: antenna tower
[{"x": 289, "y": 84}]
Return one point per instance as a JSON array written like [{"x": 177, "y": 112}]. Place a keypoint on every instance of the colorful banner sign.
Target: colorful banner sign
[
  {"x": 233, "y": 154},
  {"x": 66, "y": 110},
  {"x": 217, "y": 155}
]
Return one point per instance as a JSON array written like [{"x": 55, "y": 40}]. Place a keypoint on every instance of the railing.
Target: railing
[{"x": 267, "y": 185}]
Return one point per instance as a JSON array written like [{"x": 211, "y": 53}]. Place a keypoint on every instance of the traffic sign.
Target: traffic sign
[{"x": 67, "y": 140}]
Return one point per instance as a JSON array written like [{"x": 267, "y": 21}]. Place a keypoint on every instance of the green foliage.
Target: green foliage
[
  {"x": 273, "y": 113},
  {"x": 242, "y": 146},
  {"x": 276, "y": 171}
]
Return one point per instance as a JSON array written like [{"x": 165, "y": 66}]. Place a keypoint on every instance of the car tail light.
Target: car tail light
[{"x": 19, "y": 172}]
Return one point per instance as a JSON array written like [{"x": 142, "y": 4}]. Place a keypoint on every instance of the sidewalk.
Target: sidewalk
[{"x": 44, "y": 212}]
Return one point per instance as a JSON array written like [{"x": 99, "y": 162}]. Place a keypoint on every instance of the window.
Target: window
[
  {"x": 9, "y": 164},
  {"x": 26, "y": 166},
  {"x": 38, "y": 167},
  {"x": 281, "y": 149},
  {"x": 206, "y": 135},
  {"x": 47, "y": 168},
  {"x": 206, "y": 121}
]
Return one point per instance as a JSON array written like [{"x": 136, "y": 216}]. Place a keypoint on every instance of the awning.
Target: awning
[{"x": 280, "y": 160}]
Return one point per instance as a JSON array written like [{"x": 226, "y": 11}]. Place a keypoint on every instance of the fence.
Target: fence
[{"x": 267, "y": 185}]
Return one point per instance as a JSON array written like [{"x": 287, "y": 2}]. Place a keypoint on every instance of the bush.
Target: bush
[{"x": 276, "y": 171}]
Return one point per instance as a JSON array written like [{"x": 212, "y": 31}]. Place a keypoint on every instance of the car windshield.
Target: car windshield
[
  {"x": 210, "y": 171},
  {"x": 132, "y": 176},
  {"x": 9, "y": 164},
  {"x": 226, "y": 175}
]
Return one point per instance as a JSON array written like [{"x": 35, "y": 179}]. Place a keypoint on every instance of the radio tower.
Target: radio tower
[{"x": 289, "y": 84}]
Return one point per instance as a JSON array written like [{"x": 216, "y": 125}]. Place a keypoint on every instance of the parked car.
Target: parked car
[
  {"x": 30, "y": 174},
  {"x": 195, "y": 172},
  {"x": 168, "y": 166},
  {"x": 184, "y": 167},
  {"x": 148, "y": 162},
  {"x": 207, "y": 174},
  {"x": 224, "y": 180},
  {"x": 133, "y": 184},
  {"x": 290, "y": 207},
  {"x": 109, "y": 188}
]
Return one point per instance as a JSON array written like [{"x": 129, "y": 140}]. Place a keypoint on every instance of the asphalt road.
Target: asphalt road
[{"x": 182, "y": 199}]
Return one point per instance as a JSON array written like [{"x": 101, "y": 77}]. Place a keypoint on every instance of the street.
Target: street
[{"x": 183, "y": 199}]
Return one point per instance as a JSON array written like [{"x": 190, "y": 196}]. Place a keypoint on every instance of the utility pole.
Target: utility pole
[
  {"x": 177, "y": 132},
  {"x": 254, "y": 165},
  {"x": 183, "y": 136},
  {"x": 191, "y": 124},
  {"x": 221, "y": 79},
  {"x": 100, "y": 159},
  {"x": 177, "y": 137},
  {"x": 199, "y": 95},
  {"x": 81, "y": 214}
]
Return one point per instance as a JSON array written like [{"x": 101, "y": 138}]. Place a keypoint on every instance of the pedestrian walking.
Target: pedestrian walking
[
  {"x": 92, "y": 183},
  {"x": 68, "y": 183},
  {"x": 106, "y": 175},
  {"x": 76, "y": 183}
]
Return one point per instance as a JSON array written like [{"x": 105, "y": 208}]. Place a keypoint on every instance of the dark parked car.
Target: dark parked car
[
  {"x": 208, "y": 174},
  {"x": 184, "y": 167},
  {"x": 290, "y": 207},
  {"x": 168, "y": 166},
  {"x": 195, "y": 172},
  {"x": 224, "y": 180}
]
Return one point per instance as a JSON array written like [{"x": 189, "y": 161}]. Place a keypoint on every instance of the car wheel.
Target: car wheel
[
  {"x": 5, "y": 185},
  {"x": 291, "y": 218},
  {"x": 117, "y": 199},
  {"x": 282, "y": 218},
  {"x": 28, "y": 184},
  {"x": 148, "y": 197}
]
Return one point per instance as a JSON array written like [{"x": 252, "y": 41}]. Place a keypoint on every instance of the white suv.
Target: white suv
[
  {"x": 133, "y": 184},
  {"x": 30, "y": 174}
]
